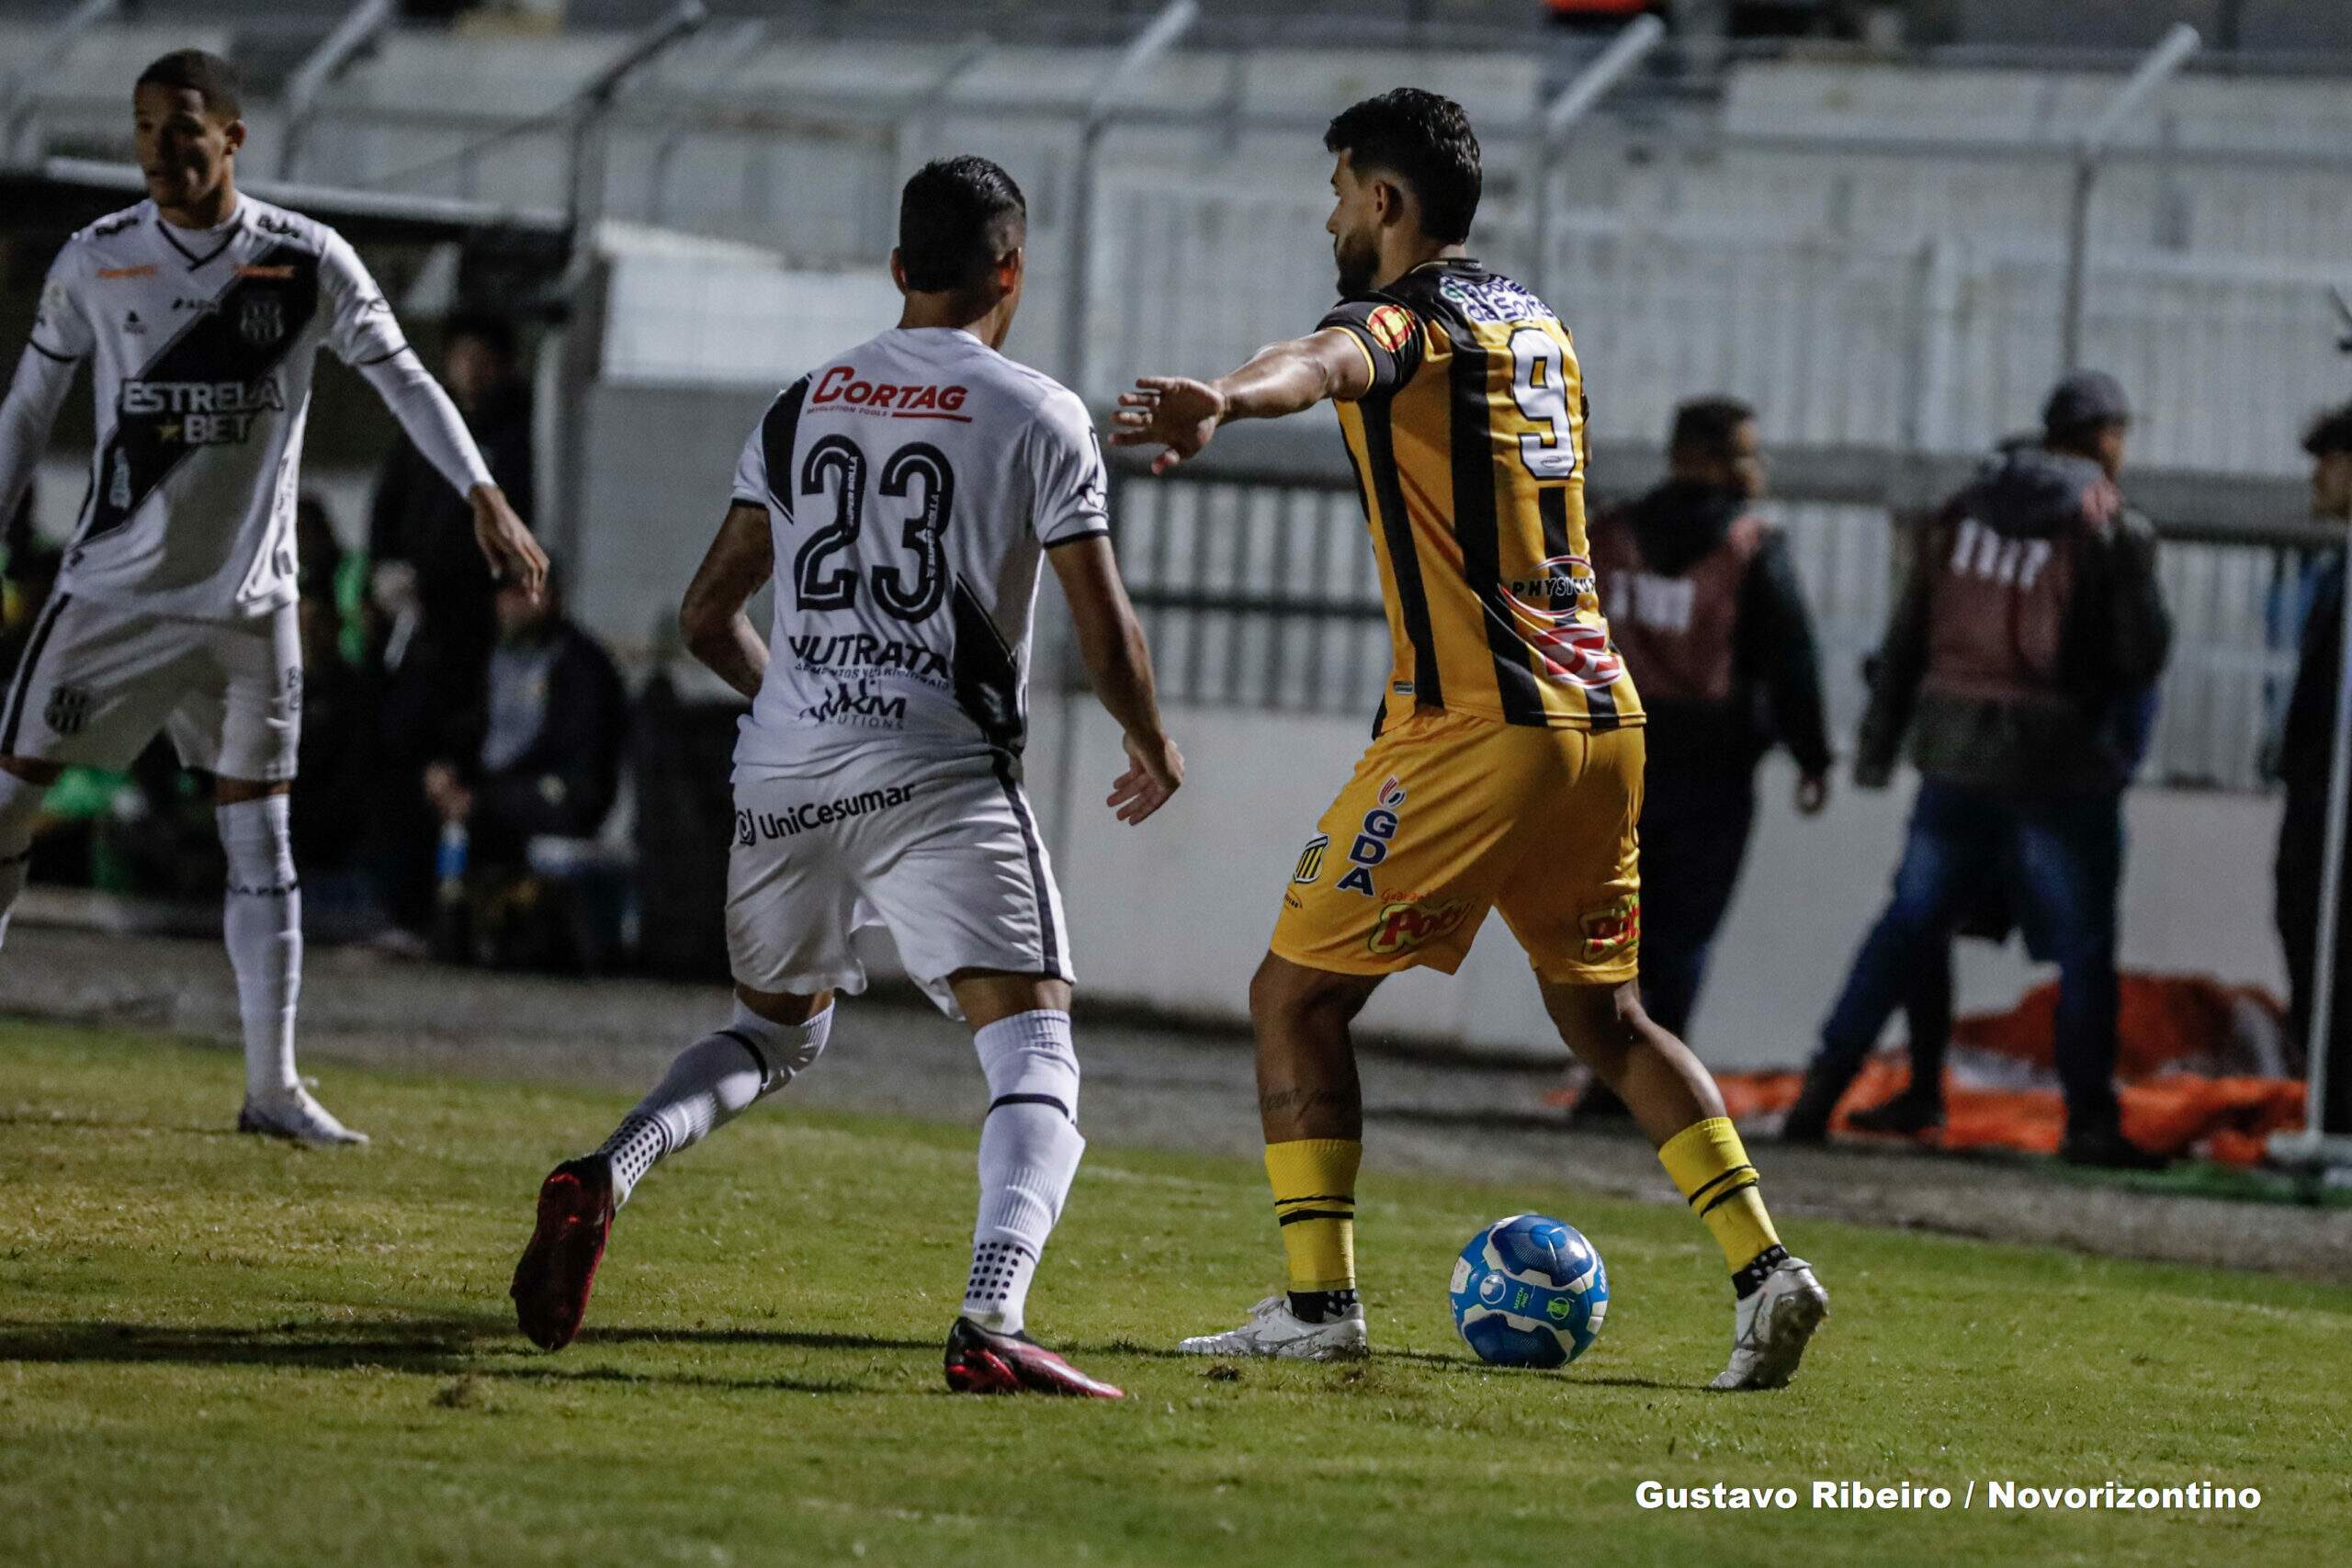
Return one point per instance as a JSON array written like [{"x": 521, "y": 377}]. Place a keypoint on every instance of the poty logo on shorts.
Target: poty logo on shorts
[
  {"x": 1403, "y": 926},
  {"x": 1612, "y": 930}
]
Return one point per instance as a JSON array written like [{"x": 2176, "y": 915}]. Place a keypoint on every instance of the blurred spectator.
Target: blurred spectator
[
  {"x": 429, "y": 578},
  {"x": 1703, "y": 599},
  {"x": 433, "y": 606},
  {"x": 2306, "y": 755},
  {"x": 330, "y": 781},
  {"x": 2032, "y": 617},
  {"x": 537, "y": 757}
]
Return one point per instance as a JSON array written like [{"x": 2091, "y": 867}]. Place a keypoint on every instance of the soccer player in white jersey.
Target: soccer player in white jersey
[
  {"x": 204, "y": 310},
  {"x": 901, "y": 498}
]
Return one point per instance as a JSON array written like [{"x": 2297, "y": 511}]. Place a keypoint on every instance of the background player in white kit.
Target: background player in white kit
[
  {"x": 174, "y": 611},
  {"x": 901, "y": 497}
]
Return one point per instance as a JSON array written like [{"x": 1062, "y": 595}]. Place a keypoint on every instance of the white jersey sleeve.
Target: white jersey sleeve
[
  {"x": 61, "y": 322},
  {"x": 1064, "y": 457},
  {"x": 753, "y": 484},
  {"x": 360, "y": 330},
  {"x": 60, "y": 339}
]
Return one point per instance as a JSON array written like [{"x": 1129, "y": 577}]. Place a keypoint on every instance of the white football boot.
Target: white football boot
[
  {"x": 1274, "y": 1331},
  {"x": 293, "y": 1115},
  {"x": 1773, "y": 1325}
]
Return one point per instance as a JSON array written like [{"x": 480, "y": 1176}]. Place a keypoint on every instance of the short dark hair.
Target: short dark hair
[
  {"x": 1704, "y": 426},
  {"x": 1426, "y": 141},
  {"x": 2330, "y": 433},
  {"x": 208, "y": 76},
  {"x": 492, "y": 331},
  {"x": 957, "y": 216}
]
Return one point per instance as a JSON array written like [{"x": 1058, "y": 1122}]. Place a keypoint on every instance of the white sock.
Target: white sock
[
  {"x": 19, "y": 803},
  {"x": 1029, "y": 1153},
  {"x": 710, "y": 1083},
  {"x": 262, "y": 923}
]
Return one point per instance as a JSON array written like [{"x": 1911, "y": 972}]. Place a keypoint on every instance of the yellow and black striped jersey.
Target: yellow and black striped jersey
[{"x": 1469, "y": 453}]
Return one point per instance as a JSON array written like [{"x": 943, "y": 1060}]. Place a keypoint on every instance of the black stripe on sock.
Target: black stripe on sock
[
  {"x": 1317, "y": 1198},
  {"x": 1728, "y": 1195},
  {"x": 1295, "y": 1215},
  {"x": 1029, "y": 1099},
  {"x": 1715, "y": 1181},
  {"x": 745, "y": 1041}
]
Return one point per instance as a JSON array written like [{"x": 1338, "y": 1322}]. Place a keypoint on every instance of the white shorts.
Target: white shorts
[
  {"x": 99, "y": 680},
  {"x": 942, "y": 852}
]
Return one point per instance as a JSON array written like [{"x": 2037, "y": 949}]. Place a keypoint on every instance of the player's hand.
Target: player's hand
[
  {"x": 1813, "y": 793},
  {"x": 1155, "y": 771},
  {"x": 513, "y": 554},
  {"x": 447, "y": 792},
  {"x": 1173, "y": 411}
]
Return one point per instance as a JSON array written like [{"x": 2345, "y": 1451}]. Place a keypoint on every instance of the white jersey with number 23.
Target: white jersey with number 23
[{"x": 912, "y": 486}]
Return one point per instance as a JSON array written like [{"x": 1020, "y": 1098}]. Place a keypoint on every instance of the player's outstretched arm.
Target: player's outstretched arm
[
  {"x": 431, "y": 421},
  {"x": 717, "y": 630},
  {"x": 1180, "y": 415},
  {"x": 1110, "y": 639}
]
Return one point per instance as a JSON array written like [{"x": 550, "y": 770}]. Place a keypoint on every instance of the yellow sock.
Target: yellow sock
[
  {"x": 1709, "y": 1168},
  {"x": 1314, "y": 1202}
]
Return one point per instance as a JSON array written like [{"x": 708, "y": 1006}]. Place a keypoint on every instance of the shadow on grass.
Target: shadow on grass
[
  {"x": 86, "y": 1122},
  {"x": 483, "y": 1346}
]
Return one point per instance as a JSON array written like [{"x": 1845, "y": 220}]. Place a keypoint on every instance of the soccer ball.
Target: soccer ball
[{"x": 1529, "y": 1292}]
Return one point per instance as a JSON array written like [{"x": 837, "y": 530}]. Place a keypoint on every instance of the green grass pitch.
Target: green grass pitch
[{"x": 214, "y": 1351}]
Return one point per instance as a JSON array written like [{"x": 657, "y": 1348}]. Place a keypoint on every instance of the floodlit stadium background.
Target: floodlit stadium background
[{"x": 1869, "y": 239}]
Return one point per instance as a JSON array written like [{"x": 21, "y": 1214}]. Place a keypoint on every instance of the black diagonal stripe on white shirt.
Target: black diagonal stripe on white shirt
[{"x": 211, "y": 348}]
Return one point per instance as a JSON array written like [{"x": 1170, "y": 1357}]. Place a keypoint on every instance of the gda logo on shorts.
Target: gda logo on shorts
[{"x": 68, "y": 710}]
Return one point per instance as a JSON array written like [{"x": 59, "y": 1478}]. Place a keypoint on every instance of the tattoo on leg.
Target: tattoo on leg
[{"x": 1298, "y": 1101}]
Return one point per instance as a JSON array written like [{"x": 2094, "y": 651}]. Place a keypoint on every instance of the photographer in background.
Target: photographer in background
[{"x": 2031, "y": 622}]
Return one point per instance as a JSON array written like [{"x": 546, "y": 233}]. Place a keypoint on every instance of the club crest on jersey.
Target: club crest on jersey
[
  {"x": 261, "y": 321},
  {"x": 68, "y": 710},
  {"x": 1310, "y": 859},
  {"x": 1377, "y": 832},
  {"x": 1404, "y": 926}
]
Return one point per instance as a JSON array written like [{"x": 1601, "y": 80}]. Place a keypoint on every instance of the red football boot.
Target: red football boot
[
  {"x": 980, "y": 1360},
  {"x": 558, "y": 1269}
]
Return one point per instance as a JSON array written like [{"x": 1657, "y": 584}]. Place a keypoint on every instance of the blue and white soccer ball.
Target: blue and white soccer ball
[{"x": 1529, "y": 1292}]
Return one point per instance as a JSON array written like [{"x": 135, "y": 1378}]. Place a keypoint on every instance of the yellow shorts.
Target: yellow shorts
[{"x": 1449, "y": 816}]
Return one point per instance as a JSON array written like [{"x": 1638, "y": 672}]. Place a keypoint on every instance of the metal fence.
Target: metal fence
[{"x": 1258, "y": 589}]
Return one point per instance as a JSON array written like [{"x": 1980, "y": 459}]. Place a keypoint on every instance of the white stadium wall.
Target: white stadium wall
[{"x": 1176, "y": 913}]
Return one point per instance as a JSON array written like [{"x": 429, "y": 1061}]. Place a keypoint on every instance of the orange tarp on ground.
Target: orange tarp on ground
[{"x": 2175, "y": 1033}]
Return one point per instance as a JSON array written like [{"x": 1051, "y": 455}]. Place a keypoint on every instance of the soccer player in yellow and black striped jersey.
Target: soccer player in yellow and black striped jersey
[{"x": 1505, "y": 772}]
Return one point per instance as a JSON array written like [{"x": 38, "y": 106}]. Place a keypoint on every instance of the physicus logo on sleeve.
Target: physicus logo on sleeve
[{"x": 1391, "y": 327}]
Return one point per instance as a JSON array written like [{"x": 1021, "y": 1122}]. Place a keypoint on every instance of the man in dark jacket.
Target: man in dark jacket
[
  {"x": 420, "y": 536},
  {"x": 2306, "y": 754},
  {"x": 542, "y": 753},
  {"x": 2031, "y": 618},
  {"x": 1703, "y": 600}
]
